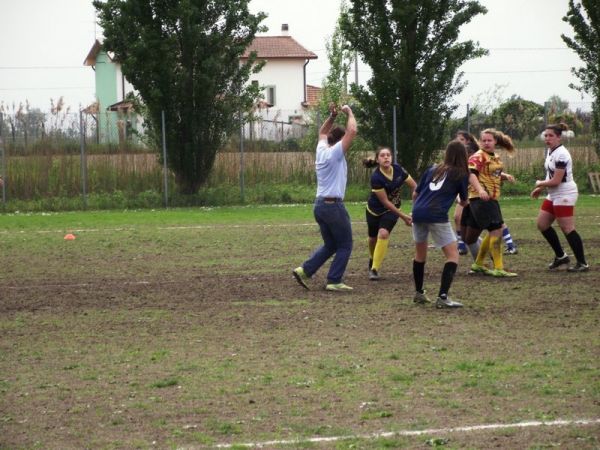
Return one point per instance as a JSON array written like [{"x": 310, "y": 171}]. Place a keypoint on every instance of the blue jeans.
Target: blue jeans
[{"x": 336, "y": 230}]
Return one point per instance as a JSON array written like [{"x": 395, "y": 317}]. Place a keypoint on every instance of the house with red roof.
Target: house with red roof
[{"x": 286, "y": 96}]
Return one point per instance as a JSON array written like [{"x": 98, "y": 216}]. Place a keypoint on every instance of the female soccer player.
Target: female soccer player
[
  {"x": 433, "y": 197},
  {"x": 483, "y": 211},
  {"x": 472, "y": 146},
  {"x": 383, "y": 205},
  {"x": 560, "y": 202}
]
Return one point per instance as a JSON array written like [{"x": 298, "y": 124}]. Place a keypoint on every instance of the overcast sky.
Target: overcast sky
[{"x": 44, "y": 44}]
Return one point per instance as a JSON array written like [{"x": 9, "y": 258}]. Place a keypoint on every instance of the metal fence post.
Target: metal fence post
[
  {"x": 242, "y": 157},
  {"x": 164, "y": 149},
  {"x": 468, "y": 118},
  {"x": 3, "y": 160},
  {"x": 394, "y": 134},
  {"x": 83, "y": 160}
]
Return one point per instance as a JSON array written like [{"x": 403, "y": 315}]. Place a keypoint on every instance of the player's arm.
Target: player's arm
[
  {"x": 474, "y": 181},
  {"x": 328, "y": 124},
  {"x": 554, "y": 181},
  {"x": 351, "y": 128},
  {"x": 412, "y": 184},
  {"x": 385, "y": 201}
]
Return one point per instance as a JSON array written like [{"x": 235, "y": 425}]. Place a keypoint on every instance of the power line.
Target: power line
[
  {"x": 45, "y": 88},
  {"x": 41, "y": 67}
]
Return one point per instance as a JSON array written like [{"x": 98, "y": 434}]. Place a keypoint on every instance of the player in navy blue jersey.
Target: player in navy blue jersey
[
  {"x": 383, "y": 205},
  {"x": 433, "y": 197}
]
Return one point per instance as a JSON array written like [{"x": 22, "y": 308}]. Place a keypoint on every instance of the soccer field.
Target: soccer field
[{"x": 185, "y": 329}]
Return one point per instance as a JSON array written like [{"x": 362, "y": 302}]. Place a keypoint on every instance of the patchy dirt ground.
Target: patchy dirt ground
[{"x": 203, "y": 337}]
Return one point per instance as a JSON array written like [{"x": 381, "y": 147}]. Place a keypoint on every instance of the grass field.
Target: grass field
[{"x": 185, "y": 329}]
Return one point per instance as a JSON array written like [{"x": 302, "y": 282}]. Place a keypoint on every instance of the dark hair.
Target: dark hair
[
  {"x": 472, "y": 145},
  {"x": 502, "y": 140},
  {"x": 558, "y": 128},
  {"x": 336, "y": 135},
  {"x": 455, "y": 162},
  {"x": 372, "y": 162}
]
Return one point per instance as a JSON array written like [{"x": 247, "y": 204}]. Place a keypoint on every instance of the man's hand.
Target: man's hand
[{"x": 333, "y": 109}]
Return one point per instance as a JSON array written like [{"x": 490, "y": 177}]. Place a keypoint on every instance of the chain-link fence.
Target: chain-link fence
[{"x": 63, "y": 155}]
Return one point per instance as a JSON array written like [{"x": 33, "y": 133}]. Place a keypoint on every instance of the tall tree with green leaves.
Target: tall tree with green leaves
[
  {"x": 413, "y": 50},
  {"x": 183, "y": 57},
  {"x": 338, "y": 55},
  {"x": 584, "y": 17}
]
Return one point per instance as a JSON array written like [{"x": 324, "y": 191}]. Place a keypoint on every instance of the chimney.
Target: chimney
[{"x": 285, "y": 30}]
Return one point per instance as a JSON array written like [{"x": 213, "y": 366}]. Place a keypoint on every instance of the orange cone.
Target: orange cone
[{"x": 69, "y": 237}]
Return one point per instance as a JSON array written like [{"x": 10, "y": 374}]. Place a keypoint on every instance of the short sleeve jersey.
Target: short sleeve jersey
[
  {"x": 560, "y": 158},
  {"x": 435, "y": 198},
  {"x": 391, "y": 184},
  {"x": 332, "y": 170},
  {"x": 489, "y": 169}
]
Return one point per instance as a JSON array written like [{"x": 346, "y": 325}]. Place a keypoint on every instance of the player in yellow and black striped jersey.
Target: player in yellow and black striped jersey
[{"x": 483, "y": 211}]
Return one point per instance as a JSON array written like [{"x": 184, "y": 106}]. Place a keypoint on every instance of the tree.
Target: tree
[
  {"x": 519, "y": 118},
  {"x": 586, "y": 43},
  {"x": 557, "y": 110},
  {"x": 334, "y": 85},
  {"x": 412, "y": 49},
  {"x": 183, "y": 57}
]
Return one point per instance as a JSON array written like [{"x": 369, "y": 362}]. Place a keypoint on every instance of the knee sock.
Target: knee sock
[
  {"x": 508, "y": 240},
  {"x": 418, "y": 275},
  {"x": 576, "y": 245},
  {"x": 483, "y": 251},
  {"x": 447, "y": 277},
  {"x": 496, "y": 250},
  {"x": 474, "y": 248},
  {"x": 459, "y": 238},
  {"x": 552, "y": 238},
  {"x": 371, "y": 245},
  {"x": 380, "y": 251}
]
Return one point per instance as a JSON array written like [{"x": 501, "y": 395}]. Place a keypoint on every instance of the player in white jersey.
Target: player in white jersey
[{"x": 560, "y": 202}]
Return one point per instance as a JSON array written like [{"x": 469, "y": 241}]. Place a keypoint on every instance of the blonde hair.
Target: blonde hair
[{"x": 502, "y": 140}]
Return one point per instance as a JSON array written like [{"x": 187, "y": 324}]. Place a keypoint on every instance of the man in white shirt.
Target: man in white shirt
[{"x": 329, "y": 210}]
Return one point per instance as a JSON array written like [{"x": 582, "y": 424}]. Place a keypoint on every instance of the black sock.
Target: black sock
[
  {"x": 447, "y": 277},
  {"x": 552, "y": 238},
  {"x": 576, "y": 245},
  {"x": 419, "y": 275}
]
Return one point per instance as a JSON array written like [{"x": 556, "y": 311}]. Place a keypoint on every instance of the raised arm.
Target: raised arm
[
  {"x": 351, "y": 128},
  {"x": 328, "y": 124}
]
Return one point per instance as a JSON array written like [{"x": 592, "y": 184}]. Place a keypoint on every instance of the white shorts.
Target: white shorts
[
  {"x": 442, "y": 233},
  {"x": 559, "y": 199},
  {"x": 565, "y": 195}
]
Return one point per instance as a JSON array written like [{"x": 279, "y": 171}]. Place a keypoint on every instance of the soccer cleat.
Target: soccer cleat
[
  {"x": 501, "y": 273},
  {"x": 339, "y": 287},
  {"x": 476, "y": 268},
  {"x": 462, "y": 249},
  {"x": 374, "y": 275},
  {"x": 421, "y": 298},
  {"x": 579, "y": 267},
  {"x": 511, "y": 251},
  {"x": 301, "y": 277},
  {"x": 564, "y": 259},
  {"x": 445, "y": 302}
]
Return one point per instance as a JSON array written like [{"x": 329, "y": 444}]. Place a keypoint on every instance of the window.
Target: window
[{"x": 270, "y": 91}]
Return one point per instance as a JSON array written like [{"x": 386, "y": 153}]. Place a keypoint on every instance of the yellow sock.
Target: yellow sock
[
  {"x": 380, "y": 251},
  {"x": 496, "y": 249},
  {"x": 483, "y": 251}
]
